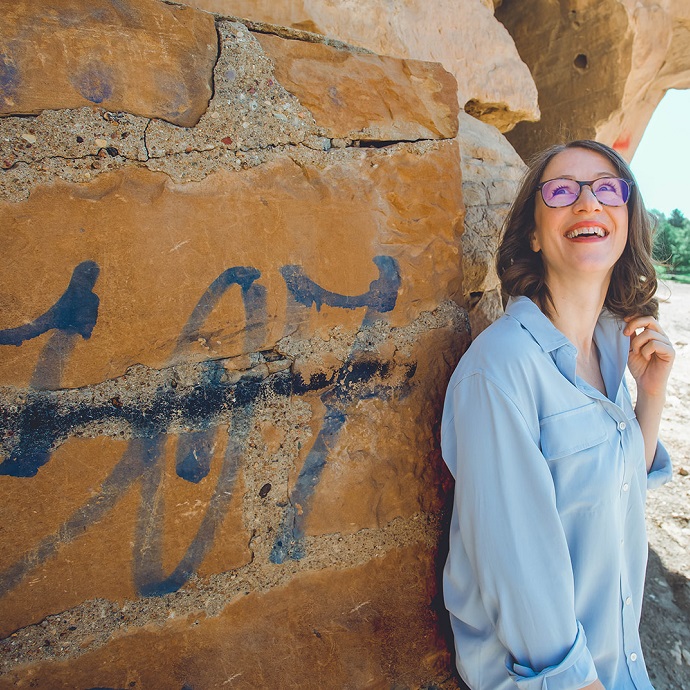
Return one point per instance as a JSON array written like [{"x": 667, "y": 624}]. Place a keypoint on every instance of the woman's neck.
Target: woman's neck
[{"x": 575, "y": 311}]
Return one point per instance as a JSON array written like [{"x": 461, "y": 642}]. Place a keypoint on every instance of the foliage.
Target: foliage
[{"x": 672, "y": 243}]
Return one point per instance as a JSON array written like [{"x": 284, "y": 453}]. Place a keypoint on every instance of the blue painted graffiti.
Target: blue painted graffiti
[
  {"x": 40, "y": 427},
  {"x": 380, "y": 298},
  {"x": 94, "y": 83},
  {"x": 194, "y": 449},
  {"x": 75, "y": 312},
  {"x": 9, "y": 80}
]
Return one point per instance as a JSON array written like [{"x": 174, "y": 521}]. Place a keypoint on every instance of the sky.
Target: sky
[{"x": 661, "y": 163}]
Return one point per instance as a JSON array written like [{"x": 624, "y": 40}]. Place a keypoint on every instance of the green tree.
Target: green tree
[
  {"x": 677, "y": 219},
  {"x": 661, "y": 251},
  {"x": 672, "y": 242}
]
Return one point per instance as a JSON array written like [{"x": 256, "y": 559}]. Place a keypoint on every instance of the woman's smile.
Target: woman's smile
[{"x": 587, "y": 230}]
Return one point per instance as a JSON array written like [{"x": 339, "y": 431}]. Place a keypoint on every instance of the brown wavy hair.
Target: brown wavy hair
[{"x": 521, "y": 270}]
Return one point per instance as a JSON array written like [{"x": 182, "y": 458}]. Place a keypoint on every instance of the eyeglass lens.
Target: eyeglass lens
[{"x": 610, "y": 191}]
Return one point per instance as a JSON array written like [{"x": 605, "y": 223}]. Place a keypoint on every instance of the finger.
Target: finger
[
  {"x": 663, "y": 351},
  {"x": 638, "y": 322},
  {"x": 639, "y": 340}
]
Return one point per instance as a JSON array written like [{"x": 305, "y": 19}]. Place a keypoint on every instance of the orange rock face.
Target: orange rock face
[
  {"x": 148, "y": 58},
  {"x": 395, "y": 99},
  {"x": 147, "y": 251},
  {"x": 321, "y": 630},
  {"x": 223, "y": 353},
  {"x": 494, "y": 83},
  {"x": 601, "y": 67}
]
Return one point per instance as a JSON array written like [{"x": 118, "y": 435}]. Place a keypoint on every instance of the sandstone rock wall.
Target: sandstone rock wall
[
  {"x": 494, "y": 87},
  {"x": 494, "y": 84},
  {"x": 228, "y": 315},
  {"x": 601, "y": 66}
]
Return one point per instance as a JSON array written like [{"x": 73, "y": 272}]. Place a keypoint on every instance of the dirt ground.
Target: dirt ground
[{"x": 666, "y": 615}]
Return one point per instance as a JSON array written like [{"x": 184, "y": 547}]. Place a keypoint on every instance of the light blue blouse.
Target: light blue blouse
[{"x": 545, "y": 575}]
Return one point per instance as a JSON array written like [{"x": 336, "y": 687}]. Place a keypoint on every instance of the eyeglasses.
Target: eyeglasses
[{"x": 610, "y": 191}]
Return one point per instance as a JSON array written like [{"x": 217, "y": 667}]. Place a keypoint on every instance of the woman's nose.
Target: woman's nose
[{"x": 587, "y": 201}]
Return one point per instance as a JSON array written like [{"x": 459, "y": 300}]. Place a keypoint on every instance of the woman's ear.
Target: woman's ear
[{"x": 534, "y": 243}]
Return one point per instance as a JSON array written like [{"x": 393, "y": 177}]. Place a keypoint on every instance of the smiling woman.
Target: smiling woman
[
  {"x": 582, "y": 240},
  {"x": 545, "y": 571},
  {"x": 522, "y": 268}
]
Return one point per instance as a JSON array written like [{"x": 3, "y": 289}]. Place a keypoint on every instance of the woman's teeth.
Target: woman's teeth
[{"x": 579, "y": 232}]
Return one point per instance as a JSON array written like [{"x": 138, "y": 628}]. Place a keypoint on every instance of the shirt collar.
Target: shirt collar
[
  {"x": 537, "y": 324},
  {"x": 608, "y": 335}
]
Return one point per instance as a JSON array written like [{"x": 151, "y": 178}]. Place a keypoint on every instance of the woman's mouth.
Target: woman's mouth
[{"x": 586, "y": 231}]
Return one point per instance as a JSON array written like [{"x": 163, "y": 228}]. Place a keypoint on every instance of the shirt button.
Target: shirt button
[
  {"x": 621, "y": 426},
  {"x": 633, "y": 657},
  {"x": 628, "y": 601},
  {"x": 626, "y": 487}
]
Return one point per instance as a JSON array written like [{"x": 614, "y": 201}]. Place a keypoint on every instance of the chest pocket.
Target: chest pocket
[
  {"x": 567, "y": 433},
  {"x": 581, "y": 459}
]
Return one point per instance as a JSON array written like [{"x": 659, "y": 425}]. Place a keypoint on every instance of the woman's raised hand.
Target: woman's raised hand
[{"x": 651, "y": 355}]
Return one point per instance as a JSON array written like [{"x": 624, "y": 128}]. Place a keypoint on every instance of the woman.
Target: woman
[{"x": 545, "y": 573}]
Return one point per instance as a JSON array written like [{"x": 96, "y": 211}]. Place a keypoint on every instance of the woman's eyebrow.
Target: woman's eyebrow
[{"x": 598, "y": 175}]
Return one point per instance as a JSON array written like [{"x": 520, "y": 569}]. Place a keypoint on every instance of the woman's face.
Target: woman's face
[{"x": 586, "y": 237}]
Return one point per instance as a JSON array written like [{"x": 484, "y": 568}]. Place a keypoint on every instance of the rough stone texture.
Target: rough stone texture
[
  {"x": 396, "y": 99},
  {"x": 491, "y": 172},
  {"x": 250, "y": 115},
  {"x": 591, "y": 86},
  {"x": 148, "y": 58},
  {"x": 222, "y": 363},
  {"x": 321, "y": 630},
  {"x": 464, "y": 37}
]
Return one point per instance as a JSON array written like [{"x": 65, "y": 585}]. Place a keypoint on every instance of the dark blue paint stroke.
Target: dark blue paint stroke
[
  {"x": 194, "y": 454},
  {"x": 9, "y": 80},
  {"x": 48, "y": 370},
  {"x": 76, "y": 311},
  {"x": 94, "y": 83},
  {"x": 195, "y": 450},
  {"x": 244, "y": 276},
  {"x": 381, "y": 296},
  {"x": 34, "y": 425},
  {"x": 148, "y": 576},
  {"x": 193, "y": 457},
  {"x": 42, "y": 423},
  {"x": 358, "y": 367},
  {"x": 288, "y": 543},
  {"x": 131, "y": 466}
]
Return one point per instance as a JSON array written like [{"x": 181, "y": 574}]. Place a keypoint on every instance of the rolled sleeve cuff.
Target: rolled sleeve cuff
[
  {"x": 661, "y": 470},
  {"x": 576, "y": 671}
]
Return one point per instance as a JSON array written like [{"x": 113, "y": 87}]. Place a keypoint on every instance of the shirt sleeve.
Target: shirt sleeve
[
  {"x": 508, "y": 526},
  {"x": 661, "y": 470}
]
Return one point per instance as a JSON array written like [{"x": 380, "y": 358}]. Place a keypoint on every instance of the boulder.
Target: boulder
[
  {"x": 223, "y": 355},
  {"x": 590, "y": 85},
  {"x": 464, "y": 37},
  {"x": 147, "y": 58}
]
